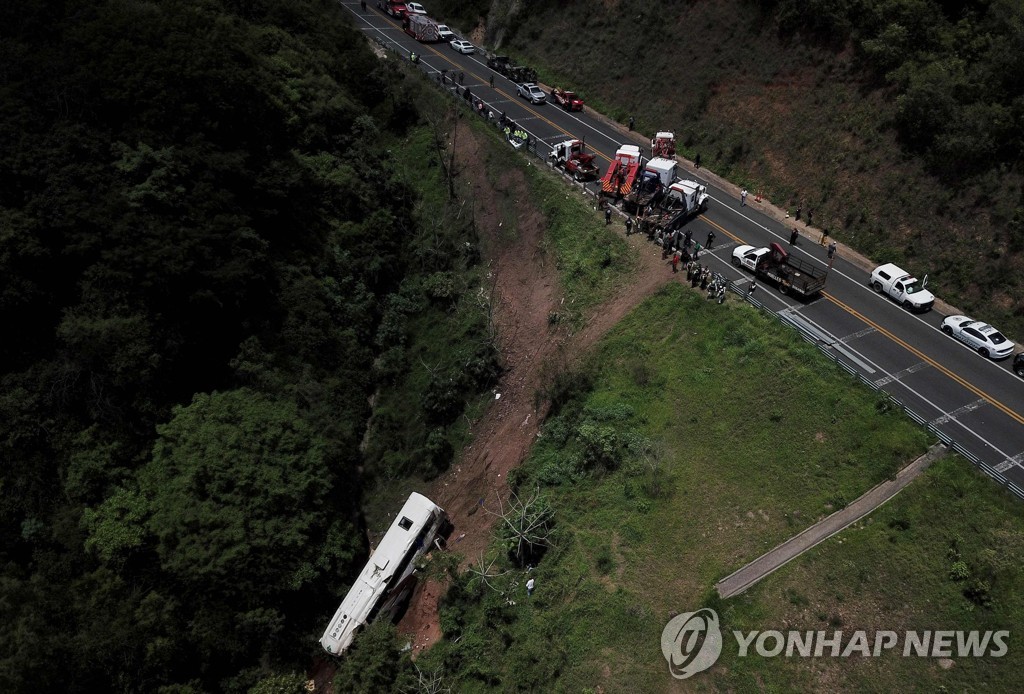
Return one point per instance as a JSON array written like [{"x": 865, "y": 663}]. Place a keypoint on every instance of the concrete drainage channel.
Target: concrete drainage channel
[{"x": 739, "y": 581}]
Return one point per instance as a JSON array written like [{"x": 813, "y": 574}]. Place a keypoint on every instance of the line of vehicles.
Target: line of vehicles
[
  {"x": 388, "y": 579},
  {"x": 651, "y": 187},
  {"x": 418, "y": 25},
  {"x": 805, "y": 279}
]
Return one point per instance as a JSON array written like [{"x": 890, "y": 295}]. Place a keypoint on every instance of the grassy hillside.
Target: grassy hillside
[
  {"x": 898, "y": 123},
  {"x": 663, "y": 479}
]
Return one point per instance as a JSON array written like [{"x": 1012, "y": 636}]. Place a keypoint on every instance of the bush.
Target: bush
[
  {"x": 600, "y": 446},
  {"x": 979, "y": 592}
]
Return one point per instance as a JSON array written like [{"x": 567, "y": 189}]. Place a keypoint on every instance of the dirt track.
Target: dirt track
[{"x": 525, "y": 291}]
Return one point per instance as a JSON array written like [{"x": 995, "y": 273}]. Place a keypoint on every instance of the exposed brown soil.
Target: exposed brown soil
[{"x": 525, "y": 292}]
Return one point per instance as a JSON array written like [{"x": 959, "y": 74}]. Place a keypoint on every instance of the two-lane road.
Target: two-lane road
[{"x": 977, "y": 402}]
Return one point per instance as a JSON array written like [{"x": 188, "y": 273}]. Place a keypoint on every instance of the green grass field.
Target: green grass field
[{"x": 709, "y": 435}]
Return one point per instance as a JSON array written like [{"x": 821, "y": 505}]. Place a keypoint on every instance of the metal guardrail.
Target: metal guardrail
[
  {"x": 447, "y": 83},
  {"x": 943, "y": 436}
]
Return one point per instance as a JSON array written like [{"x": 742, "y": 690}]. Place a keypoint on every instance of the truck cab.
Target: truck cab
[
  {"x": 664, "y": 145},
  {"x": 577, "y": 162},
  {"x": 392, "y": 7},
  {"x": 689, "y": 195},
  {"x": 749, "y": 257},
  {"x": 567, "y": 99},
  {"x": 902, "y": 287}
]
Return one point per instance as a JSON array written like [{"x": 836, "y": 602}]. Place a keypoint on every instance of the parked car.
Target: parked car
[
  {"x": 531, "y": 91},
  {"x": 444, "y": 33},
  {"x": 463, "y": 46},
  {"x": 979, "y": 336},
  {"x": 1018, "y": 364},
  {"x": 415, "y": 8},
  {"x": 902, "y": 287}
]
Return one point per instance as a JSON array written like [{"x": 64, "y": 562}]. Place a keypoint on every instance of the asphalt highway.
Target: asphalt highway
[{"x": 975, "y": 401}]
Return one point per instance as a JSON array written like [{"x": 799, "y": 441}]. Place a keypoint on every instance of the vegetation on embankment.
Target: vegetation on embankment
[
  {"x": 216, "y": 248},
  {"x": 698, "y": 437},
  {"x": 898, "y": 123}
]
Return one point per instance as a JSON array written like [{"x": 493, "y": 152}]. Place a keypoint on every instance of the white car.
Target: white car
[
  {"x": 462, "y": 46},
  {"x": 979, "y": 336},
  {"x": 444, "y": 33},
  {"x": 531, "y": 91},
  {"x": 414, "y": 8}
]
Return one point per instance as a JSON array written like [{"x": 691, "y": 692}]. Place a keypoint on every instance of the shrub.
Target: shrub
[{"x": 959, "y": 571}]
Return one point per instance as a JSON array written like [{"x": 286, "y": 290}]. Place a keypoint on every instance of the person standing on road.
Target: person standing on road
[
  {"x": 752, "y": 288},
  {"x": 794, "y": 236},
  {"x": 711, "y": 239},
  {"x": 743, "y": 198},
  {"x": 462, "y": 80},
  {"x": 831, "y": 252},
  {"x": 529, "y": 587},
  {"x": 687, "y": 238},
  {"x": 492, "y": 81}
]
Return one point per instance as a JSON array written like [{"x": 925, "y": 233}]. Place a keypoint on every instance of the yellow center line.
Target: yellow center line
[
  {"x": 923, "y": 357},
  {"x": 514, "y": 97},
  {"x": 913, "y": 350},
  {"x": 722, "y": 229}
]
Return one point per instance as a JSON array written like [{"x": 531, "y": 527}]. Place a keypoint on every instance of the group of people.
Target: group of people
[{"x": 516, "y": 135}]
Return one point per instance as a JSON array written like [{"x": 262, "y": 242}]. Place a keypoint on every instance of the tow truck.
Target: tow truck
[{"x": 567, "y": 99}]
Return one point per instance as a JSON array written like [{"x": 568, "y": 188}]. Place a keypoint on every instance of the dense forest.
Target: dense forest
[
  {"x": 900, "y": 123},
  {"x": 206, "y": 247},
  {"x": 219, "y": 260}
]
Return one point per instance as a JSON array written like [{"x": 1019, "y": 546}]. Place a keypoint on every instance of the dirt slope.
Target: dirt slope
[{"x": 526, "y": 290}]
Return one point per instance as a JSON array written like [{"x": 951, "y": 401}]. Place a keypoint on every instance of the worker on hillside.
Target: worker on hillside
[
  {"x": 607, "y": 214},
  {"x": 629, "y": 226},
  {"x": 675, "y": 262}
]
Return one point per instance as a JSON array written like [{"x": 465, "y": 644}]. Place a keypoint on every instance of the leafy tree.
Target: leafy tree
[
  {"x": 237, "y": 492},
  {"x": 291, "y": 683},
  {"x": 375, "y": 663}
]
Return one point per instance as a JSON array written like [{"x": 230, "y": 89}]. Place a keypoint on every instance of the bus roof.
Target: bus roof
[{"x": 374, "y": 577}]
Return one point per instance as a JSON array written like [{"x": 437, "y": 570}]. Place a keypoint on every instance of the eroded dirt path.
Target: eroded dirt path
[{"x": 525, "y": 292}]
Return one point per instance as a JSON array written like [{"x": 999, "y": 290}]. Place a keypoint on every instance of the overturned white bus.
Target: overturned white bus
[{"x": 387, "y": 580}]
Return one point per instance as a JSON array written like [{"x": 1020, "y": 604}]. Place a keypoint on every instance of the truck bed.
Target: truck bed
[{"x": 797, "y": 276}]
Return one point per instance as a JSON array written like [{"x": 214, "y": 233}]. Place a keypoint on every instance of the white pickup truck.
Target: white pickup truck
[{"x": 901, "y": 287}]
